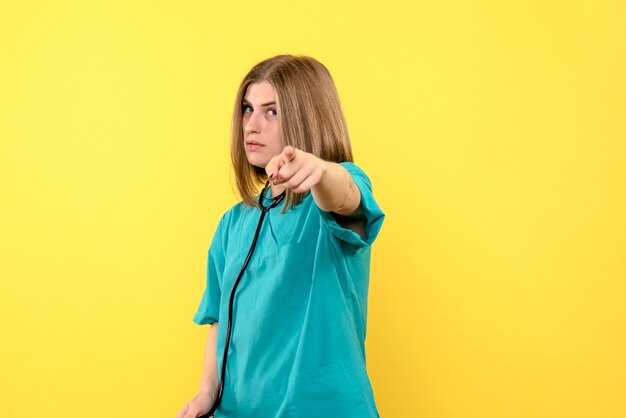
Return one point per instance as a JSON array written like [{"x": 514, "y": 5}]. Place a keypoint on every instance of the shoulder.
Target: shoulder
[
  {"x": 359, "y": 177},
  {"x": 235, "y": 212},
  {"x": 355, "y": 172},
  {"x": 231, "y": 218},
  {"x": 229, "y": 223},
  {"x": 351, "y": 167}
]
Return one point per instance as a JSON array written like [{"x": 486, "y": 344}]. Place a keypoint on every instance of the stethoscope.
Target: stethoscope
[{"x": 264, "y": 209}]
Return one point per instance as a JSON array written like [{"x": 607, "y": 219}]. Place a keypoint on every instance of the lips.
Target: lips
[{"x": 253, "y": 145}]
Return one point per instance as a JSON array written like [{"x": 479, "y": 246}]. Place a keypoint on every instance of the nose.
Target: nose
[{"x": 252, "y": 123}]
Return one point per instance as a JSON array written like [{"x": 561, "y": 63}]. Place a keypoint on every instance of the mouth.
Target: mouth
[{"x": 253, "y": 145}]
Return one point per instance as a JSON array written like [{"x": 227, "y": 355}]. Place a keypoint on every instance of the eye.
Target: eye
[
  {"x": 273, "y": 112},
  {"x": 247, "y": 109}
]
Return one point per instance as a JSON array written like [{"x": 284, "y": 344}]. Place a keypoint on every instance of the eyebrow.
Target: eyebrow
[{"x": 245, "y": 102}]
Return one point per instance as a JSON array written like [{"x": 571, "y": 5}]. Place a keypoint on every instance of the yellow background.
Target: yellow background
[{"x": 494, "y": 133}]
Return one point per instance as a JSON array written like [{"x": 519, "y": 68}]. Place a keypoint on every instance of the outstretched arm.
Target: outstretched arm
[{"x": 331, "y": 186}]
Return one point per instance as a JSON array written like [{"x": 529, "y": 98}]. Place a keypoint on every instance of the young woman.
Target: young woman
[{"x": 294, "y": 329}]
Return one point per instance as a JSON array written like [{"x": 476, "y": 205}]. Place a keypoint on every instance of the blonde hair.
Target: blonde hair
[{"x": 310, "y": 118}]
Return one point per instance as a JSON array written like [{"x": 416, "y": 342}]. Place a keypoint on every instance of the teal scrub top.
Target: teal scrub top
[{"x": 300, "y": 312}]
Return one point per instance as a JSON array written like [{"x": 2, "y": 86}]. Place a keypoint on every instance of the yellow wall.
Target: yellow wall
[{"x": 495, "y": 136}]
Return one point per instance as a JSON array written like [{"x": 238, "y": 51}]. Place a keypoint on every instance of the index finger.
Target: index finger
[{"x": 289, "y": 153}]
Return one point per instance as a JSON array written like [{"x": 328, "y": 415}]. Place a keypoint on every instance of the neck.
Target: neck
[{"x": 276, "y": 190}]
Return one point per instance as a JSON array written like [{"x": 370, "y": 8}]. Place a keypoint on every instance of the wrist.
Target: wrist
[
  {"x": 207, "y": 390},
  {"x": 323, "y": 167}
]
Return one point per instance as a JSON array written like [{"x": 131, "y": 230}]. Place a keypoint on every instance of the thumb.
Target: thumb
[
  {"x": 183, "y": 412},
  {"x": 191, "y": 413}
]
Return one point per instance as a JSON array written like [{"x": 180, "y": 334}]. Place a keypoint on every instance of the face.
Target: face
[{"x": 261, "y": 127}]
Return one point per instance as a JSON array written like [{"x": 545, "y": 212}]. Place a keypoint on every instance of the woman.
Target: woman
[{"x": 296, "y": 343}]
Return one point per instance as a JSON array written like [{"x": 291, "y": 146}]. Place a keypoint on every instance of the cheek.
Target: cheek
[{"x": 277, "y": 137}]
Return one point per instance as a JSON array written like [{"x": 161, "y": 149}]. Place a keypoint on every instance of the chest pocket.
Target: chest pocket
[{"x": 294, "y": 273}]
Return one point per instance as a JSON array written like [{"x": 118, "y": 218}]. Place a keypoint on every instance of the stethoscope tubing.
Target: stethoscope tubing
[{"x": 264, "y": 210}]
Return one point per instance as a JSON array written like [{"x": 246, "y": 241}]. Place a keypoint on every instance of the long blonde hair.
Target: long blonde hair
[{"x": 310, "y": 118}]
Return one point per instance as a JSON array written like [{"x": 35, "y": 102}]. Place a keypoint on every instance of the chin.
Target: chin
[{"x": 257, "y": 163}]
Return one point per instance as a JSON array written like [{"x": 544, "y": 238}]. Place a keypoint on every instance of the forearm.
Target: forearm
[
  {"x": 209, "y": 381},
  {"x": 336, "y": 191}
]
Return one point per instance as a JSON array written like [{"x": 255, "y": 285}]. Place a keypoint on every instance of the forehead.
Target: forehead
[{"x": 260, "y": 92}]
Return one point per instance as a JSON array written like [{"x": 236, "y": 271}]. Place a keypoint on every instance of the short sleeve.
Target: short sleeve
[
  {"x": 374, "y": 216},
  {"x": 208, "y": 310}
]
